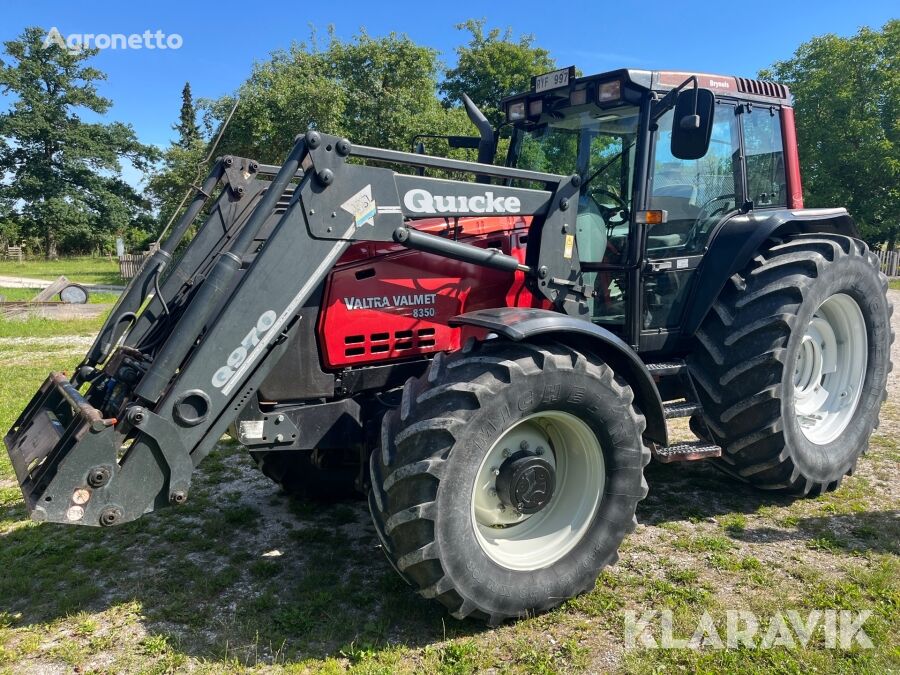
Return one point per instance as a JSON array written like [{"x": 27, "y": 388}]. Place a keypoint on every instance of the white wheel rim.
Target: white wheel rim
[
  {"x": 830, "y": 369},
  {"x": 530, "y": 542}
]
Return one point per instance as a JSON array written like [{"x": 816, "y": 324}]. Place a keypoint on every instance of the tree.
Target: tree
[
  {"x": 181, "y": 162},
  {"x": 490, "y": 67},
  {"x": 375, "y": 91},
  {"x": 847, "y": 93},
  {"x": 65, "y": 174},
  {"x": 187, "y": 128}
]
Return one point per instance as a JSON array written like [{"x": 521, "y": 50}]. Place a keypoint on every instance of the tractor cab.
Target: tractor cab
[{"x": 663, "y": 158}]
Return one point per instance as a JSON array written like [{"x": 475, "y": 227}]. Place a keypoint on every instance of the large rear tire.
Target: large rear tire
[
  {"x": 508, "y": 478},
  {"x": 792, "y": 361}
]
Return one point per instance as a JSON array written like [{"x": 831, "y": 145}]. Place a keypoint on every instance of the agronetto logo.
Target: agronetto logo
[{"x": 75, "y": 42}]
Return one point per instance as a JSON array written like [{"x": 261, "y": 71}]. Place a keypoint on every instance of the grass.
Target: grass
[
  {"x": 24, "y": 294},
  {"x": 242, "y": 579},
  {"x": 86, "y": 270},
  {"x": 895, "y": 284}
]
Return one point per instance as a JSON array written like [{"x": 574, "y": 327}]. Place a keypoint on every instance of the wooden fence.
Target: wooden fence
[
  {"x": 890, "y": 262},
  {"x": 130, "y": 264},
  {"x": 15, "y": 253}
]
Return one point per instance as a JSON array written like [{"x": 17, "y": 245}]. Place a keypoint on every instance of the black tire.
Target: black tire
[
  {"x": 423, "y": 475},
  {"x": 298, "y": 476},
  {"x": 755, "y": 329}
]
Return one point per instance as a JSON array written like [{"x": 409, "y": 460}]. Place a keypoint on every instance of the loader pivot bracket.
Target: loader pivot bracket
[
  {"x": 240, "y": 173},
  {"x": 169, "y": 443}
]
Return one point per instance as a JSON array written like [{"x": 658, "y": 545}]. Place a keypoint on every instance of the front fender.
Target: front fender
[
  {"x": 518, "y": 324},
  {"x": 738, "y": 239}
]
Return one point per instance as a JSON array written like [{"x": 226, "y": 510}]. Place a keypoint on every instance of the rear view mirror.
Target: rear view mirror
[{"x": 692, "y": 123}]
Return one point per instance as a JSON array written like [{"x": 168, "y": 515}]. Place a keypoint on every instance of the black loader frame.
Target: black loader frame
[{"x": 189, "y": 343}]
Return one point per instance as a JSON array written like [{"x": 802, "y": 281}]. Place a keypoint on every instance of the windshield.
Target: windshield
[{"x": 598, "y": 146}]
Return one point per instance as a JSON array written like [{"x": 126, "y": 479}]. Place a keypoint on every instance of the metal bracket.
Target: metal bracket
[
  {"x": 168, "y": 442},
  {"x": 239, "y": 172}
]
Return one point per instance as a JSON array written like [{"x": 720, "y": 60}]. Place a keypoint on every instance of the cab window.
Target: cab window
[
  {"x": 600, "y": 147},
  {"x": 695, "y": 193},
  {"x": 765, "y": 158}
]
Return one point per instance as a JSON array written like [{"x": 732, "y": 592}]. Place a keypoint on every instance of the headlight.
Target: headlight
[
  {"x": 578, "y": 97},
  {"x": 609, "y": 92},
  {"x": 515, "y": 111}
]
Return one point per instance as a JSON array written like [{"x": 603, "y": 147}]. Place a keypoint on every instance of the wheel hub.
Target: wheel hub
[
  {"x": 526, "y": 482},
  {"x": 830, "y": 369},
  {"x": 537, "y": 489}
]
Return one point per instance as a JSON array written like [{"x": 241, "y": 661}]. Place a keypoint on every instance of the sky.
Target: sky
[{"x": 221, "y": 40}]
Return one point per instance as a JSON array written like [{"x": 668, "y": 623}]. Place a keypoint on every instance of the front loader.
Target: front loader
[{"x": 492, "y": 357}]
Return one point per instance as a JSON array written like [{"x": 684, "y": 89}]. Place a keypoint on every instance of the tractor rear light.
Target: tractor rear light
[
  {"x": 535, "y": 108},
  {"x": 654, "y": 217},
  {"x": 578, "y": 97},
  {"x": 609, "y": 92},
  {"x": 515, "y": 111}
]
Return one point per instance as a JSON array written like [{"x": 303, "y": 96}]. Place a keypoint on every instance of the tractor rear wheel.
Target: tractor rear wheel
[
  {"x": 792, "y": 361},
  {"x": 508, "y": 477}
]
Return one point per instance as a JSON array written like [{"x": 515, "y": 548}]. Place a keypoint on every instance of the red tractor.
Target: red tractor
[{"x": 492, "y": 358}]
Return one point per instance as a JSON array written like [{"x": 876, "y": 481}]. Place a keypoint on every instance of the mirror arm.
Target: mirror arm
[{"x": 668, "y": 101}]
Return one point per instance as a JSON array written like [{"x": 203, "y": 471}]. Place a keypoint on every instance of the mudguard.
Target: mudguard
[
  {"x": 515, "y": 323},
  {"x": 736, "y": 241}
]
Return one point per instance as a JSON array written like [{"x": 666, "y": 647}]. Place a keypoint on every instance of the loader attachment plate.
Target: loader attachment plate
[{"x": 57, "y": 418}]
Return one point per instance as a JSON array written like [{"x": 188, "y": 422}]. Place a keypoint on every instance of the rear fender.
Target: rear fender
[
  {"x": 738, "y": 239},
  {"x": 522, "y": 324}
]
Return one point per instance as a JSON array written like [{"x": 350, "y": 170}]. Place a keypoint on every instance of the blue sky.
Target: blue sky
[{"x": 221, "y": 40}]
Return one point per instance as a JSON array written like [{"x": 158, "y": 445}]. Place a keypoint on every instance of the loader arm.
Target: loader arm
[{"x": 190, "y": 342}]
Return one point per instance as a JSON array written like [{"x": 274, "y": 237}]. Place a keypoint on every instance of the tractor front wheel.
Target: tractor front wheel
[{"x": 508, "y": 477}]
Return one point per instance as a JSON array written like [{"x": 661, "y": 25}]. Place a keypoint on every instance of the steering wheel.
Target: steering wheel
[
  {"x": 607, "y": 212},
  {"x": 705, "y": 214}
]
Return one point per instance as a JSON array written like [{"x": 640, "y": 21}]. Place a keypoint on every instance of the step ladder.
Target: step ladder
[{"x": 688, "y": 451}]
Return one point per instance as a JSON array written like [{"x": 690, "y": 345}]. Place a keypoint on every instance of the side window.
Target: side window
[
  {"x": 694, "y": 192},
  {"x": 765, "y": 158}
]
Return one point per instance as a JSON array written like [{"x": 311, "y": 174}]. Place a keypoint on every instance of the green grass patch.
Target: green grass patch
[
  {"x": 733, "y": 523},
  {"x": 39, "y": 327},
  {"x": 26, "y": 294},
  {"x": 895, "y": 284},
  {"x": 85, "y": 270},
  {"x": 703, "y": 543}
]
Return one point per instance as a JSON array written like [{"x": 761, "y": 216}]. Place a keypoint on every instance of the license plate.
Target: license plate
[{"x": 554, "y": 80}]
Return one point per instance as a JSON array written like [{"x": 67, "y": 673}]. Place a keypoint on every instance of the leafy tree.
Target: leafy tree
[
  {"x": 492, "y": 66},
  {"x": 179, "y": 169},
  {"x": 187, "y": 128},
  {"x": 391, "y": 87},
  {"x": 848, "y": 124},
  {"x": 64, "y": 173},
  {"x": 375, "y": 91}
]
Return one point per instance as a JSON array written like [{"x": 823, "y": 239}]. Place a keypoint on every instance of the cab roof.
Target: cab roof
[{"x": 664, "y": 80}]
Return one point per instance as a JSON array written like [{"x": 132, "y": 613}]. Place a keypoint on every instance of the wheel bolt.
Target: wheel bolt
[
  {"x": 501, "y": 507},
  {"x": 523, "y": 445},
  {"x": 506, "y": 452},
  {"x": 492, "y": 492},
  {"x": 540, "y": 450},
  {"x": 495, "y": 471}
]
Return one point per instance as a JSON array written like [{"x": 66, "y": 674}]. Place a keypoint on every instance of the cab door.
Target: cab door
[{"x": 697, "y": 195}]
